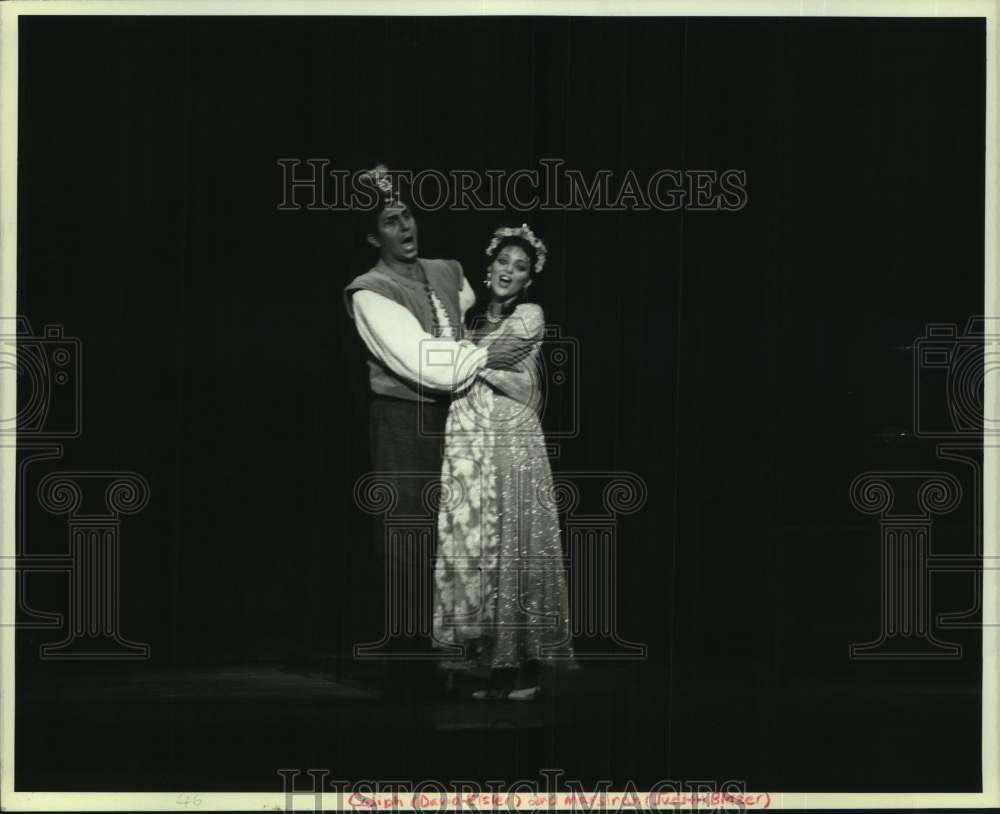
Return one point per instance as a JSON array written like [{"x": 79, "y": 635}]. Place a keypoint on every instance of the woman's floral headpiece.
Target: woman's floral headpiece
[{"x": 524, "y": 232}]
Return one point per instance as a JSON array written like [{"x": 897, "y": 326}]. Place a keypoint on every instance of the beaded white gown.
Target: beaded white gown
[{"x": 500, "y": 585}]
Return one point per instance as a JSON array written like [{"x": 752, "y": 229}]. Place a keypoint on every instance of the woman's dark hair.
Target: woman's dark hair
[{"x": 514, "y": 240}]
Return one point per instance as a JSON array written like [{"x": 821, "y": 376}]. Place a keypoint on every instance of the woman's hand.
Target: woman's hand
[{"x": 506, "y": 352}]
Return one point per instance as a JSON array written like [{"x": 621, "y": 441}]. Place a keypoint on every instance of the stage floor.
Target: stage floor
[{"x": 131, "y": 727}]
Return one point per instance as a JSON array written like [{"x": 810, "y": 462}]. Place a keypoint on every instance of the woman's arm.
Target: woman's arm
[
  {"x": 524, "y": 383},
  {"x": 524, "y": 386},
  {"x": 527, "y": 322}
]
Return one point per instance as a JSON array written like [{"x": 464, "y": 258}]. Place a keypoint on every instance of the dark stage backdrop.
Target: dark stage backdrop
[{"x": 744, "y": 364}]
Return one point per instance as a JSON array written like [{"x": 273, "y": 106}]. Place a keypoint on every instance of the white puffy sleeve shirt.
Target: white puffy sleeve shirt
[{"x": 395, "y": 337}]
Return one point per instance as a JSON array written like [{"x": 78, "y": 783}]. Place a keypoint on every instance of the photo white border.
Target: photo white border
[{"x": 11, "y": 800}]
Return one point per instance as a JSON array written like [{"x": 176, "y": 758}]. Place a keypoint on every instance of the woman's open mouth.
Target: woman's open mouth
[{"x": 503, "y": 280}]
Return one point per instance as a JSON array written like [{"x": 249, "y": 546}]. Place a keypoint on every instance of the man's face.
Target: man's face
[{"x": 396, "y": 234}]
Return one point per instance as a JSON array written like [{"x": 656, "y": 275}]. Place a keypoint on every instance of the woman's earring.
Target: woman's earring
[{"x": 486, "y": 281}]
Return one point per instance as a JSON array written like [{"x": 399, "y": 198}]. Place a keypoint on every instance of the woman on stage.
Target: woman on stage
[{"x": 500, "y": 600}]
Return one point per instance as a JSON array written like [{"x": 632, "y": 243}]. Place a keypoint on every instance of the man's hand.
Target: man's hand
[{"x": 507, "y": 352}]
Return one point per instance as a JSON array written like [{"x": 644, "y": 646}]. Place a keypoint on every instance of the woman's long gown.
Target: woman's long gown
[{"x": 500, "y": 587}]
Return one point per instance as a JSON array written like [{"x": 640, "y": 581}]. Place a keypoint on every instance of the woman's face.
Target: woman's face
[{"x": 509, "y": 273}]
